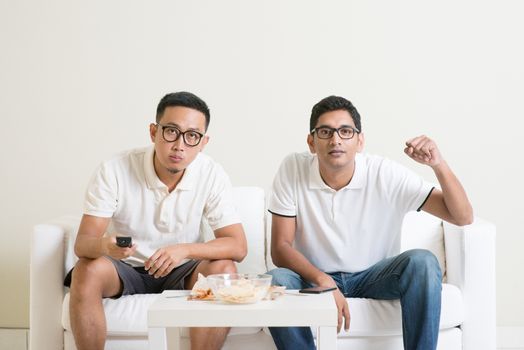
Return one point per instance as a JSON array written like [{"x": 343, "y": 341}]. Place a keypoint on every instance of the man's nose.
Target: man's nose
[
  {"x": 335, "y": 138},
  {"x": 179, "y": 143}
]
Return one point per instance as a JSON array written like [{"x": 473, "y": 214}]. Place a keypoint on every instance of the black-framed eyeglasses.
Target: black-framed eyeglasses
[
  {"x": 344, "y": 132},
  {"x": 171, "y": 133}
]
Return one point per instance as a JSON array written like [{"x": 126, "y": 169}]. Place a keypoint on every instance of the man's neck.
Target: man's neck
[
  {"x": 171, "y": 180},
  {"x": 168, "y": 178},
  {"x": 337, "y": 178}
]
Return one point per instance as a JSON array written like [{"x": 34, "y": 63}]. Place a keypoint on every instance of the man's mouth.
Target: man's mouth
[
  {"x": 336, "y": 152},
  {"x": 175, "y": 158}
]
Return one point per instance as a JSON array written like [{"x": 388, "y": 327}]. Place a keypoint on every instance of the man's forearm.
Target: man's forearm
[
  {"x": 288, "y": 257},
  {"x": 90, "y": 247},
  {"x": 216, "y": 249},
  {"x": 455, "y": 197}
]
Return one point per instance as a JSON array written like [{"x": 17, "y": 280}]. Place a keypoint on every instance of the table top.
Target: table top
[{"x": 172, "y": 309}]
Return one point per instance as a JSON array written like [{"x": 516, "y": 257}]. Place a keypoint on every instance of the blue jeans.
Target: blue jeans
[{"x": 414, "y": 277}]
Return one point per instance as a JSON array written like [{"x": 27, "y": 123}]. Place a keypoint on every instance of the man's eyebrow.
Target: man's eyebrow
[
  {"x": 329, "y": 126},
  {"x": 178, "y": 126}
]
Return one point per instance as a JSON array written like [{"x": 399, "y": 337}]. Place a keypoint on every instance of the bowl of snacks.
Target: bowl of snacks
[{"x": 239, "y": 288}]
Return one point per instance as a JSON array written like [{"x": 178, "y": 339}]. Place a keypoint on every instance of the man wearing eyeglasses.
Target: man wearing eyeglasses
[
  {"x": 159, "y": 196},
  {"x": 336, "y": 222}
]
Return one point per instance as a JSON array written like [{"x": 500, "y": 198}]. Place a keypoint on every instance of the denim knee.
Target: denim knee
[
  {"x": 424, "y": 262},
  {"x": 285, "y": 277}
]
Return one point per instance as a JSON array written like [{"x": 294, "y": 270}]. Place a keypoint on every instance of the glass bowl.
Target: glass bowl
[{"x": 239, "y": 288}]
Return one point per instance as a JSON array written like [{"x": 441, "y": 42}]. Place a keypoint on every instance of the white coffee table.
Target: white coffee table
[{"x": 170, "y": 310}]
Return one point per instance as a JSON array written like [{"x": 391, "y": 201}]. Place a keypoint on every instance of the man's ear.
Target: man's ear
[
  {"x": 310, "y": 143},
  {"x": 360, "y": 145},
  {"x": 152, "y": 131},
  {"x": 203, "y": 143}
]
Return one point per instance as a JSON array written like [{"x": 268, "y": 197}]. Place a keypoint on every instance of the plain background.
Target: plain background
[{"x": 80, "y": 81}]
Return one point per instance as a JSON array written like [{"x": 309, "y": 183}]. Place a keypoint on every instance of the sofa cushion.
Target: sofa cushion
[
  {"x": 383, "y": 317},
  {"x": 127, "y": 316}
]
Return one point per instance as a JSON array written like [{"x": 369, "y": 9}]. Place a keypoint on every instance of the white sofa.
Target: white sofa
[{"x": 467, "y": 255}]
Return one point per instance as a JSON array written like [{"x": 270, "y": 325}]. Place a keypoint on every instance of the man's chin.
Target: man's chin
[
  {"x": 174, "y": 171},
  {"x": 337, "y": 164}
]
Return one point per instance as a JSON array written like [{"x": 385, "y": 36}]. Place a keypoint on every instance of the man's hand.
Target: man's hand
[
  {"x": 450, "y": 203},
  {"x": 343, "y": 310},
  {"x": 164, "y": 260},
  {"x": 110, "y": 248},
  {"x": 423, "y": 150},
  {"x": 342, "y": 305}
]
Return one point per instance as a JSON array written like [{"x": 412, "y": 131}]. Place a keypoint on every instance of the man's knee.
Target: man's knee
[
  {"x": 90, "y": 273},
  {"x": 424, "y": 261},
  {"x": 221, "y": 266},
  {"x": 285, "y": 277}
]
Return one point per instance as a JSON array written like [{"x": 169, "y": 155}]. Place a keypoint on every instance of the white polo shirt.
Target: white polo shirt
[
  {"x": 127, "y": 190},
  {"x": 355, "y": 227}
]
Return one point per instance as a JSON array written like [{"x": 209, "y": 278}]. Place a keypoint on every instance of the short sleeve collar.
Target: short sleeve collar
[
  {"x": 358, "y": 180},
  {"x": 153, "y": 182},
  {"x": 149, "y": 170}
]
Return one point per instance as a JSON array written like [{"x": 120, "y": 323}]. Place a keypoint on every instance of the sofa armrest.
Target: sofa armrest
[
  {"x": 470, "y": 260},
  {"x": 46, "y": 274}
]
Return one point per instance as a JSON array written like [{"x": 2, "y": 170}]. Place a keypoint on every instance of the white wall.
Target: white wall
[{"x": 80, "y": 80}]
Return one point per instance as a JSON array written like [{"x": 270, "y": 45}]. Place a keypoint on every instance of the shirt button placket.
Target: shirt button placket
[
  {"x": 164, "y": 211},
  {"x": 333, "y": 205}
]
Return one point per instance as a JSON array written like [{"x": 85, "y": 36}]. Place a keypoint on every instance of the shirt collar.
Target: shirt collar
[
  {"x": 189, "y": 179},
  {"x": 358, "y": 180},
  {"x": 153, "y": 182}
]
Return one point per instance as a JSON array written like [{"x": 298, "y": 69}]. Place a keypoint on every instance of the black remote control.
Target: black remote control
[{"x": 124, "y": 242}]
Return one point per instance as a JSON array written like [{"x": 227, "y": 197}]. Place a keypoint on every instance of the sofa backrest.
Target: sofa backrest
[
  {"x": 423, "y": 230},
  {"x": 419, "y": 230},
  {"x": 250, "y": 203}
]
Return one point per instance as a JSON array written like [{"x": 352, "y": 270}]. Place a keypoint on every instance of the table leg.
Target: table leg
[
  {"x": 173, "y": 338},
  {"x": 157, "y": 338},
  {"x": 327, "y": 338}
]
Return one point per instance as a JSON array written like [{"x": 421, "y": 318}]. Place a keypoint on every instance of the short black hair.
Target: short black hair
[
  {"x": 184, "y": 99},
  {"x": 333, "y": 103}
]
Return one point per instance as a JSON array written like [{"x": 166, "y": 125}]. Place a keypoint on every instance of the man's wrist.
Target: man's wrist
[
  {"x": 324, "y": 280},
  {"x": 441, "y": 167},
  {"x": 184, "y": 250},
  {"x": 103, "y": 248}
]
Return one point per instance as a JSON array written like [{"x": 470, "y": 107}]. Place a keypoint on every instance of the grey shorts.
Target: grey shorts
[{"x": 136, "y": 280}]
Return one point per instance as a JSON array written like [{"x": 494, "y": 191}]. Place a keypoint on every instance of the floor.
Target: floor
[
  {"x": 14, "y": 339},
  {"x": 509, "y": 338}
]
